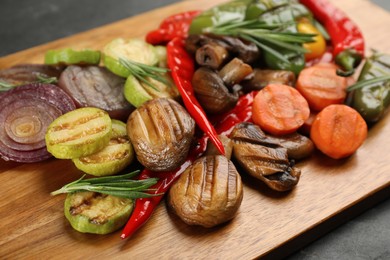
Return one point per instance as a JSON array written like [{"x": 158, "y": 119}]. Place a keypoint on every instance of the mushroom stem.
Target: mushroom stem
[
  {"x": 234, "y": 72},
  {"x": 211, "y": 55}
]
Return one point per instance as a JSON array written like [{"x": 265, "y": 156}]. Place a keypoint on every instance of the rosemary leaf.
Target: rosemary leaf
[
  {"x": 367, "y": 82},
  {"x": 4, "y": 86},
  {"x": 48, "y": 80},
  {"x": 118, "y": 185},
  {"x": 142, "y": 72}
]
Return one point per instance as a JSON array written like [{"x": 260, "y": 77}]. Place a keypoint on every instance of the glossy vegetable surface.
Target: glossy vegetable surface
[
  {"x": 338, "y": 131},
  {"x": 372, "y": 100},
  {"x": 347, "y": 39}
]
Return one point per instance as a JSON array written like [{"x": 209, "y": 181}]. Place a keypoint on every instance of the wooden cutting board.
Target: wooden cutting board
[{"x": 33, "y": 225}]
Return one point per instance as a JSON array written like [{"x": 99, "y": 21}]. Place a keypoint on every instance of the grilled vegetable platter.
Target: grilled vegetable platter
[{"x": 233, "y": 129}]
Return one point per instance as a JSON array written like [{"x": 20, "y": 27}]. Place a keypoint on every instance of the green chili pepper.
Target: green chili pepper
[
  {"x": 371, "y": 100},
  {"x": 286, "y": 14},
  {"x": 219, "y": 14}
]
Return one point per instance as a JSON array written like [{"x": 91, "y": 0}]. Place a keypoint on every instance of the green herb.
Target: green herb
[
  {"x": 41, "y": 78},
  {"x": 4, "y": 86},
  {"x": 48, "y": 80},
  {"x": 363, "y": 83},
  {"x": 265, "y": 36},
  {"x": 142, "y": 72},
  {"x": 118, "y": 185}
]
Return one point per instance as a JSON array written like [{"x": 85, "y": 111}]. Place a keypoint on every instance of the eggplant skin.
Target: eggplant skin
[
  {"x": 208, "y": 193},
  {"x": 161, "y": 132}
]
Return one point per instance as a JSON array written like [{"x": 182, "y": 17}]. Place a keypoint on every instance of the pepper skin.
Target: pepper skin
[
  {"x": 372, "y": 101},
  {"x": 346, "y": 37}
]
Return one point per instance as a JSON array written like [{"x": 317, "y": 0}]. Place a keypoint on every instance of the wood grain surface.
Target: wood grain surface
[{"x": 33, "y": 225}]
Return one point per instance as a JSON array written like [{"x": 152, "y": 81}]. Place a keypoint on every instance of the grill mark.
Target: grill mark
[
  {"x": 81, "y": 135},
  {"x": 75, "y": 123},
  {"x": 179, "y": 126},
  {"x": 200, "y": 204},
  {"x": 154, "y": 121}
]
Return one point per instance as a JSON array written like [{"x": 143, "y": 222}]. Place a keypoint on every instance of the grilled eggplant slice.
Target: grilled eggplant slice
[
  {"x": 263, "y": 158},
  {"x": 161, "y": 132},
  {"x": 96, "y": 213},
  {"x": 208, "y": 193}
]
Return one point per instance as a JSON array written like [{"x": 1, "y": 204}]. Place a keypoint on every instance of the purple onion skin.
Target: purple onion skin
[{"x": 44, "y": 94}]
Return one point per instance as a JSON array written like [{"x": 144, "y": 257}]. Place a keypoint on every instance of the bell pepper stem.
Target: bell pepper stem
[{"x": 348, "y": 60}]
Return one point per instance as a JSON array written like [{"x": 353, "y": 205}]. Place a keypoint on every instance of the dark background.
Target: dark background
[{"x": 26, "y": 23}]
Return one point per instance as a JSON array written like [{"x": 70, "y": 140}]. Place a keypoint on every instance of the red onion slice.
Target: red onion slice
[
  {"x": 25, "y": 114},
  {"x": 27, "y": 73}
]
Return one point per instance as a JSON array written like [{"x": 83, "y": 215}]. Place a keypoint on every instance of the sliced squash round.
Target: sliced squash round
[
  {"x": 78, "y": 133},
  {"x": 96, "y": 213},
  {"x": 113, "y": 158}
]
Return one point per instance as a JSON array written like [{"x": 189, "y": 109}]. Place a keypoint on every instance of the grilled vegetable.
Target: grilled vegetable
[
  {"x": 92, "y": 212},
  {"x": 25, "y": 113},
  {"x": 280, "y": 109},
  {"x": 93, "y": 86},
  {"x": 215, "y": 90},
  {"x": 69, "y": 56},
  {"x": 111, "y": 159},
  {"x": 338, "y": 131},
  {"x": 263, "y": 158},
  {"x": 27, "y": 73},
  {"x": 133, "y": 49},
  {"x": 81, "y": 132},
  {"x": 208, "y": 193},
  {"x": 161, "y": 132},
  {"x": 372, "y": 99},
  {"x": 262, "y": 78}
]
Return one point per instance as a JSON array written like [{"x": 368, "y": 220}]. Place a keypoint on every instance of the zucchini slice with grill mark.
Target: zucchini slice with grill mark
[
  {"x": 133, "y": 49},
  {"x": 96, "y": 213},
  {"x": 78, "y": 133},
  {"x": 115, "y": 157}
]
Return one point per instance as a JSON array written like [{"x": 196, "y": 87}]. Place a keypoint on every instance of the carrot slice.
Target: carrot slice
[
  {"x": 338, "y": 131},
  {"x": 279, "y": 109},
  {"x": 321, "y": 86}
]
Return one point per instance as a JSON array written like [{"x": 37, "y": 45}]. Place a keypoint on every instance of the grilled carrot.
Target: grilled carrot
[
  {"x": 280, "y": 109},
  {"x": 338, "y": 131},
  {"x": 321, "y": 86}
]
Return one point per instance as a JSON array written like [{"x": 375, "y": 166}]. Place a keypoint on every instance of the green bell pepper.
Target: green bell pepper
[{"x": 373, "y": 100}]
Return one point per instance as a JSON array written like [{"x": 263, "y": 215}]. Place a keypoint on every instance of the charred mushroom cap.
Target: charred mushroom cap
[
  {"x": 208, "y": 193},
  {"x": 215, "y": 90},
  {"x": 161, "y": 132},
  {"x": 211, "y": 92},
  {"x": 263, "y": 158},
  {"x": 247, "y": 51}
]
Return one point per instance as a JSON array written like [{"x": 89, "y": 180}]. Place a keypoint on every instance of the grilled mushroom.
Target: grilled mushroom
[
  {"x": 263, "y": 157},
  {"x": 215, "y": 91},
  {"x": 246, "y": 51},
  {"x": 161, "y": 132},
  {"x": 208, "y": 193},
  {"x": 261, "y": 78}
]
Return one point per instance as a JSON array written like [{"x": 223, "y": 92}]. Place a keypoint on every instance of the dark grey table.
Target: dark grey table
[{"x": 26, "y": 23}]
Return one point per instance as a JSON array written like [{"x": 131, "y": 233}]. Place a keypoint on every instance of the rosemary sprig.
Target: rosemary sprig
[
  {"x": 366, "y": 82},
  {"x": 5, "y": 86},
  {"x": 41, "y": 78},
  {"x": 142, "y": 72},
  {"x": 265, "y": 36},
  {"x": 48, "y": 80},
  {"x": 119, "y": 185}
]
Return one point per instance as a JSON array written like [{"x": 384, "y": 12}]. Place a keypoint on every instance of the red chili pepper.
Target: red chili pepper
[
  {"x": 182, "y": 68},
  {"x": 173, "y": 26},
  {"x": 144, "y": 207},
  {"x": 346, "y": 37}
]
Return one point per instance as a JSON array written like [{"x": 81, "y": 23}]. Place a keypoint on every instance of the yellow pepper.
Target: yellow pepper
[{"x": 317, "y": 48}]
